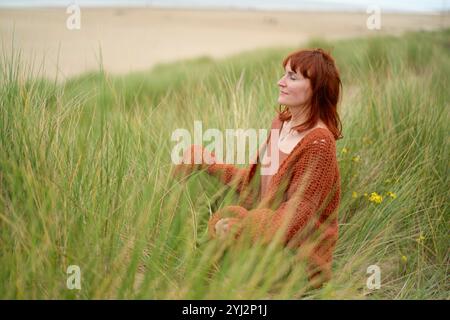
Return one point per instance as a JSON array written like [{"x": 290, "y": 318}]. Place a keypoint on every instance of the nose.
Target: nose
[{"x": 281, "y": 82}]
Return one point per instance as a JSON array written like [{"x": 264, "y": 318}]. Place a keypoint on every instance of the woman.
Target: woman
[{"x": 300, "y": 201}]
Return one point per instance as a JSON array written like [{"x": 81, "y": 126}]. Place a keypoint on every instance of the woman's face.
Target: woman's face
[{"x": 295, "y": 90}]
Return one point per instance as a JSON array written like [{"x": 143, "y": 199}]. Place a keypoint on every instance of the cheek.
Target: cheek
[{"x": 302, "y": 91}]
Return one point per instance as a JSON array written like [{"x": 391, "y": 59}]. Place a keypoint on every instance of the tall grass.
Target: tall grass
[{"x": 85, "y": 178}]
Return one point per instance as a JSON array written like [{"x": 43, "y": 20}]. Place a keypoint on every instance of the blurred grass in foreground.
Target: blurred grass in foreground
[{"x": 85, "y": 177}]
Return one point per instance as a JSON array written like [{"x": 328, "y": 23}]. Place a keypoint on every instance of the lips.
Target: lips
[{"x": 283, "y": 92}]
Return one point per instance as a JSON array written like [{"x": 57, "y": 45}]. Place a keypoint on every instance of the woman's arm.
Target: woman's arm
[{"x": 229, "y": 174}]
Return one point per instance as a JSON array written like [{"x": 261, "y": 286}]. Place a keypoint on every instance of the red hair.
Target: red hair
[{"x": 319, "y": 67}]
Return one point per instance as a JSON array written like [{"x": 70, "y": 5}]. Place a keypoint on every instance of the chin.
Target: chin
[{"x": 282, "y": 101}]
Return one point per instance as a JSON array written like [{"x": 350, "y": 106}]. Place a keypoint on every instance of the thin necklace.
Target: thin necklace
[{"x": 282, "y": 138}]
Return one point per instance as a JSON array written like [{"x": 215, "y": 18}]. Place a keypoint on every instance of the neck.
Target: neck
[{"x": 299, "y": 115}]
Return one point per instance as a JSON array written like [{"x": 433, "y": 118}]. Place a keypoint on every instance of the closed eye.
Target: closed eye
[{"x": 292, "y": 75}]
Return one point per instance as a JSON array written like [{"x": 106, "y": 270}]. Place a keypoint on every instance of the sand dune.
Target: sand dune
[{"x": 137, "y": 39}]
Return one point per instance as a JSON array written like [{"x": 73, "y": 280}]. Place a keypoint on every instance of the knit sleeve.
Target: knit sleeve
[
  {"x": 228, "y": 174},
  {"x": 312, "y": 180}
]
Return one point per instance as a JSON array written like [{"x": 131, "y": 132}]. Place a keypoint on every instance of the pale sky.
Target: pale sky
[{"x": 387, "y": 5}]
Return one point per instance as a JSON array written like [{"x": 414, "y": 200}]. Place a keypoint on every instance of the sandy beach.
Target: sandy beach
[{"x": 137, "y": 39}]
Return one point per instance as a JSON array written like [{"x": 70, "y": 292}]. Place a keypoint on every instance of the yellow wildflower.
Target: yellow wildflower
[
  {"x": 391, "y": 194},
  {"x": 354, "y": 194},
  {"x": 365, "y": 194},
  {"x": 367, "y": 140},
  {"x": 356, "y": 158},
  {"x": 404, "y": 259},
  {"x": 344, "y": 150},
  {"x": 421, "y": 238},
  {"x": 375, "y": 197}
]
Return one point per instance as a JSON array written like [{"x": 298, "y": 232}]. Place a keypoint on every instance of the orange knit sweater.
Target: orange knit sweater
[{"x": 300, "y": 203}]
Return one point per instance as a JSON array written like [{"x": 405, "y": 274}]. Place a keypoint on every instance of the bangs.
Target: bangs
[{"x": 300, "y": 62}]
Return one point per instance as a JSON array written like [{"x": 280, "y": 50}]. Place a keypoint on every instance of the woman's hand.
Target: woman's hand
[
  {"x": 224, "y": 219},
  {"x": 223, "y": 226}
]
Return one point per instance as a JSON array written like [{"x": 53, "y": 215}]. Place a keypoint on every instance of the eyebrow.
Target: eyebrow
[{"x": 291, "y": 73}]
